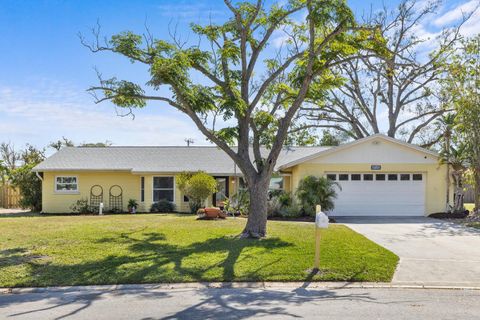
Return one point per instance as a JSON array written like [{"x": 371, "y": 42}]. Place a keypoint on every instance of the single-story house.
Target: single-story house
[{"x": 378, "y": 176}]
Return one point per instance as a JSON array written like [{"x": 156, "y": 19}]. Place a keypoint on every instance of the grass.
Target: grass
[{"x": 152, "y": 248}]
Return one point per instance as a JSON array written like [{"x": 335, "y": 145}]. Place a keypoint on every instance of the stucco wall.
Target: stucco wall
[{"x": 53, "y": 202}]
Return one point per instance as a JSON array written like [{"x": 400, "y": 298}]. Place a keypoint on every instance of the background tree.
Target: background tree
[
  {"x": 61, "y": 143},
  {"x": 65, "y": 142},
  {"x": 197, "y": 187},
  {"x": 3, "y": 172},
  {"x": 455, "y": 157},
  {"x": 27, "y": 182},
  {"x": 445, "y": 126},
  {"x": 400, "y": 86},
  {"x": 9, "y": 156},
  {"x": 330, "y": 139},
  {"x": 243, "y": 85},
  {"x": 462, "y": 86}
]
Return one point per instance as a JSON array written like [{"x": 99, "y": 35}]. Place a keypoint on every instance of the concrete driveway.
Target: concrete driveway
[{"x": 431, "y": 251}]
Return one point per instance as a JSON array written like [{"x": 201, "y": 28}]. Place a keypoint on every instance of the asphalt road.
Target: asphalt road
[{"x": 279, "y": 303}]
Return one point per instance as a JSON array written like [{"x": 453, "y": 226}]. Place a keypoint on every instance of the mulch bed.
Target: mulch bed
[
  {"x": 446, "y": 215},
  {"x": 299, "y": 219}
]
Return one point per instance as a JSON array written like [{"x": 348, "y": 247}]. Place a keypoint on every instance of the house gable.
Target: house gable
[{"x": 376, "y": 149}]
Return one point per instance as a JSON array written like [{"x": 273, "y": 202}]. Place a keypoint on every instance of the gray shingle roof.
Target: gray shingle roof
[{"x": 156, "y": 159}]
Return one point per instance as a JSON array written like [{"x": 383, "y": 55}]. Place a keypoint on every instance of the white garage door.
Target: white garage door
[{"x": 379, "y": 194}]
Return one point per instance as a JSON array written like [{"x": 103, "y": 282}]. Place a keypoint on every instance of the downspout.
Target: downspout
[
  {"x": 41, "y": 179},
  {"x": 38, "y": 176}
]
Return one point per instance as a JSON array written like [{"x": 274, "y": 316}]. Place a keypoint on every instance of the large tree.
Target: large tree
[
  {"x": 396, "y": 93},
  {"x": 462, "y": 87},
  {"x": 238, "y": 88}
]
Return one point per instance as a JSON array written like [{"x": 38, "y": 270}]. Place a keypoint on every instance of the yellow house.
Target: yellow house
[{"x": 376, "y": 176}]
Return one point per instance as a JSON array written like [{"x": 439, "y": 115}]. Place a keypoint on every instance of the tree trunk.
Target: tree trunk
[
  {"x": 448, "y": 207},
  {"x": 458, "y": 205},
  {"x": 476, "y": 190},
  {"x": 257, "y": 212}
]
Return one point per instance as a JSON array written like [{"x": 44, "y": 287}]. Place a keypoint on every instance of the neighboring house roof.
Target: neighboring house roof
[
  {"x": 157, "y": 159},
  {"x": 294, "y": 162}
]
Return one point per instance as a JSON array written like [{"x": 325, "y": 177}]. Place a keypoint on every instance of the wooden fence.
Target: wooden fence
[{"x": 9, "y": 197}]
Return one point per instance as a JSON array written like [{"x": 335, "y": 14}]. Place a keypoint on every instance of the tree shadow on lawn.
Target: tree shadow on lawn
[{"x": 150, "y": 258}]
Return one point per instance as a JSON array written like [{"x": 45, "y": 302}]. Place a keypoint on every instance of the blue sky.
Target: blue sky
[{"x": 45, "y": 70}]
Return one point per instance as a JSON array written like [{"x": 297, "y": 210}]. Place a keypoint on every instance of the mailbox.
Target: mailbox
[
  {"x": 321, "y": 220},
  {"x": 100, "y": 208}
]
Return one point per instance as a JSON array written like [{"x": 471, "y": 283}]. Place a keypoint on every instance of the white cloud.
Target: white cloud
[
  {"x": 199, "y": 10},
  {"x": 472, "y": 26},
  {"x": 456, "y": 13},
  {"x": 45, "y": 114}
]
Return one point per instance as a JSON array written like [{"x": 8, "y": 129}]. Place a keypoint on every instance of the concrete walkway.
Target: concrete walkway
[{"x": 431, "y": 251}]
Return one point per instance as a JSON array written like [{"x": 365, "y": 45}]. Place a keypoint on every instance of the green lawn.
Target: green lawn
[{"x": 151, "y": 248}]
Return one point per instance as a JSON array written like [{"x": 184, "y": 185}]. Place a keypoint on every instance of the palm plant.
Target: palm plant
[
  {"x": 316, "y": 190},
  {"x": 454, "y": 157}
]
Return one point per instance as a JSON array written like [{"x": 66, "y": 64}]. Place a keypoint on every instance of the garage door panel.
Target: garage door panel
[{"x": 380, "y": 198}]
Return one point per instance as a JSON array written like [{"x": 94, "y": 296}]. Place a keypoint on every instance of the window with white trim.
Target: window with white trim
[
  {"x": 66, "y": 184},
  {"x": 163, "y": 189}
]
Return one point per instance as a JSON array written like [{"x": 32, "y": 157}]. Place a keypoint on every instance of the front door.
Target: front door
[{"x": 222, "y": 193}]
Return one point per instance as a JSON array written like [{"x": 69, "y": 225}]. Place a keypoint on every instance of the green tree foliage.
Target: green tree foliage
[
  {"x": 27, "y": 182},
  {"x": 313, "y": 190},
  {"x": 328, "y": 139},
  {"x": 3, "y": 172},
  {"x": 197, "y": 187},
  {"x": 235, "y": 85},
  {"x": 462, "y": 91},
  {"x": 65, "y": 142}
]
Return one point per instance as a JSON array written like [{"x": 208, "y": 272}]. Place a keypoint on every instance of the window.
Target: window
[
  {"x": 417, "y": 177},
  {"x": 343, "y": 177},
  {"x": 356, "y": 177},
  {"x": 380, "y": 177},
  {"x": 332, "y": 177},
  {"x": 276, "y": 183},
  {"x": 163, "y": 189},
  {"x": 66, "y": 184},
  {"x": 404, "y": 177},
  {"x": 142, "y": 189},
  {"x": 392, "y": 177},
  {"x": 368, "y": 177}
]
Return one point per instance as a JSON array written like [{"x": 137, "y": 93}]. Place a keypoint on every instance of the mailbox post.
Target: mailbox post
[{"x": 321, "y": 222}]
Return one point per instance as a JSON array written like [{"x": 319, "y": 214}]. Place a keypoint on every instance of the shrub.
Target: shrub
[
  {"x": 293, "y": 210},
  {"x": 163, "y": 206},
  {"x": 282, "y": 204},
  {"x": 197, "y": 187},
  {"x": 316, "y": 190},
  {"x": 132, "y": 203},
  {"x": 81, "y": 207},
  {"x": 238, "y": 203}
]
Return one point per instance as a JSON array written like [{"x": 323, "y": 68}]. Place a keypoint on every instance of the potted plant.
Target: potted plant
[{"x": 132, "y": 206}]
